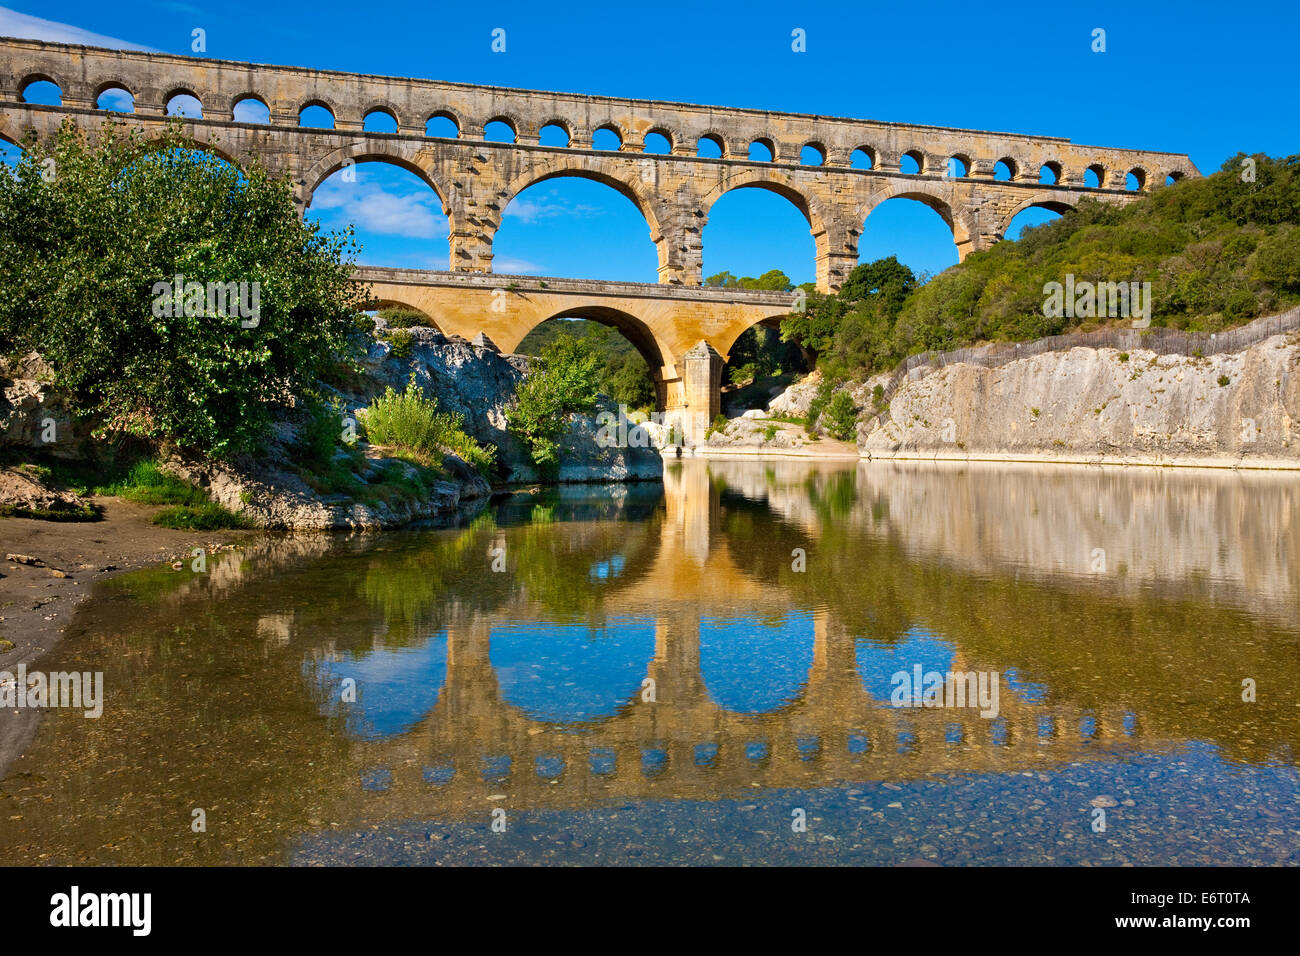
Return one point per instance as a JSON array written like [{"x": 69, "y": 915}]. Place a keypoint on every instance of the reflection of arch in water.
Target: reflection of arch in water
[
  {"x": 395, "y": 687},
  {"x": 753, "y": 667},
  {"x": 572, "y": 673},
  {"x": 878, "y": 661}
]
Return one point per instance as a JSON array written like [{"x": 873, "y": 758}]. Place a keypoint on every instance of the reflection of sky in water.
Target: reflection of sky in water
[
  {"x": 396, "y": 687},
  {"x": 604, "y": 570},
  {"x": 1028, "y": 691},
  {"x": 572, "y": 673},
  {"x": 752, "y": 667},
  {"x": 879, "y": 662}
]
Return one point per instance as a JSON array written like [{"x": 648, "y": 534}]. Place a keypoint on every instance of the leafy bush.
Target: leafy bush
[
  {"x": 841, "y": 417},
  {"x": 411, "y": 423},
  {"x": 562, "y": 381},
  {"x": 401, "y": 342},
  {"x": 148, "y": 484},
  {"x": 623, "y": 373},
  {"x": 84, "y": 254},
  {"x": 818, "y": 404},
  {"x": 402, "y": 317}
]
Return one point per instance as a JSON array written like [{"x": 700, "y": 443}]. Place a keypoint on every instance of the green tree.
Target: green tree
[
  {"x": 87, "y": 234},
  {"x": 562, "y": 381}
]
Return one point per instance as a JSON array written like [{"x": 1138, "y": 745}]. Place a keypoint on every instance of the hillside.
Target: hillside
[{"x": 1217, "y": 252}]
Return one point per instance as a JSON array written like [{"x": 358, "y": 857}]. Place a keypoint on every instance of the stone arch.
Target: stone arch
[
  {"x": 1056, "y": 201},
  {"x": 775, "y": 181},
  {"x": 381, "y": 106},
  {"x": 508, "y": 117},
  {"x": 446, "y": 112},
  {"x": 558, "y": 122},
  {"x": 917, "y": 155},
  {"x": 39, "y": 76},
  {"x": 1141, "y": 175},
  {"x": 113, "y": 82},
  {"x": 325, "y": 103},
  {"x": 389, "y": 301},
  {"x": 371, "y": 151},
  {"x": 196, "y": 138},
  {"x": 867, "y": 150},
  {"x": 782, "y": 184},
  {"x": 716, "y": 137},
  {"x": 593, "y": 168},
  {"x": 937, "y": 197},
  {"x": 965, "y": 159},
  {"x": 768, "y": 143},
  {"x": 725, "y": 339},
  {"x": 656, "y": 353},
  {"x": 667, "y": 132},
  {"x": 247, "y": 98},
  {"x": 8, "y": 134},
  {"x": 618, "y": 129},
  {"x": 175, "y": 91},
  {"x": 821, "y": 149}
]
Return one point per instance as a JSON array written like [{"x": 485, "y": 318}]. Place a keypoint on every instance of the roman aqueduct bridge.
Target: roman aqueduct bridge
[{"x": 953, "y": 171}]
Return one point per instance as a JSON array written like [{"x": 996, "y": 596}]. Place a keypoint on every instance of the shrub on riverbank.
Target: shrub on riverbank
[
  {"x": 623, "y": 374},
  {"x": 89, "y": 260},
  {"x": 412, "y": 424},
  {"x": 563, "y": 380}
]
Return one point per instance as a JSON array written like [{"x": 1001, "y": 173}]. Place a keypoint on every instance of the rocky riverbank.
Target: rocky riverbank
[
  {"x": 273, "y": 490},
  {"x": 1080, "y": 405},
  {"x": 1101, "y": 405}
]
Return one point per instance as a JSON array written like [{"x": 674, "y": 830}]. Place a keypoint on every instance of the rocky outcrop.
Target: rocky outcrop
[
  {"x": 270, "y": 490},
  {"x": 1099, "y": 404},
  {"x": 33, "y": 415},
  {"x": 24, "y": 493},
  {"x": 270, "y": 493},
  {"x": 475, "y": 381},
  {"x": 478, "y": 382}
]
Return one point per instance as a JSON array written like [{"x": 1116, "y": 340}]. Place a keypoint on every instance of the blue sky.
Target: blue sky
[{"x": 1207, "y": 79}]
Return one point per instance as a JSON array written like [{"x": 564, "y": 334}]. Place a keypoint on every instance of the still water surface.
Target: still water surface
[{"x": 702, "y": 672}]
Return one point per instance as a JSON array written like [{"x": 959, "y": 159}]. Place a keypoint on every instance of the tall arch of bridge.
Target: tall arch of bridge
[
  {"x": 365, "y": 152},
  {"x": 693, "y": 328},
  {"x": 590, "y": 168}
]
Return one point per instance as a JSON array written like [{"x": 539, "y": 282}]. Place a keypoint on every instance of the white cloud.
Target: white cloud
[
  {"x": 514, "y": 267},
  {"x": 26, "y": 27},
  {"x": 548, "y": 206},
  {"x": 371, "y": 208}
]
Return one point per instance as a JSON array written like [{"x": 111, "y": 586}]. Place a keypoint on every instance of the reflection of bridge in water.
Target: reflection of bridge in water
[{"x": 690, "y": 739}]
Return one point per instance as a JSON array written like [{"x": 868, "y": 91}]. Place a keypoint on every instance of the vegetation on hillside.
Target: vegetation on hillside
[
  {"x": 143, "y": 481},
  {"x": 1217, "y": 251}
]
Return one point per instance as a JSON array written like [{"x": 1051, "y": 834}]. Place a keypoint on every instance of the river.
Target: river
[{"x": 715, "y": 670}]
